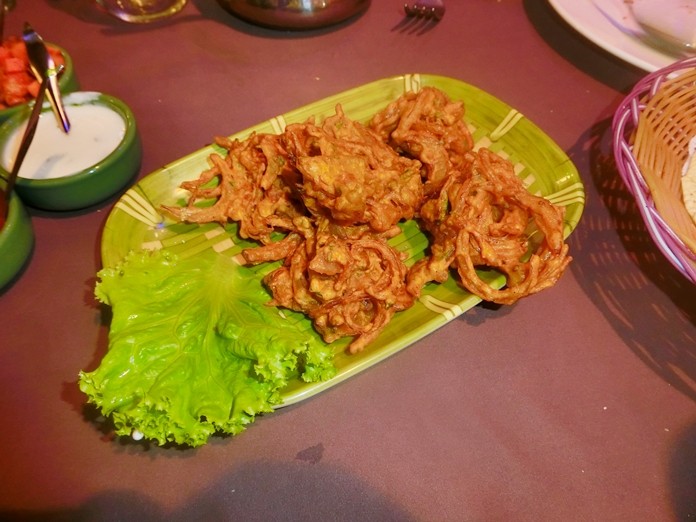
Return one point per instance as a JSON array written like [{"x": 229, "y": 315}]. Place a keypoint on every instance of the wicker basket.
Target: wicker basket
[{"x": 652, "y": 129}]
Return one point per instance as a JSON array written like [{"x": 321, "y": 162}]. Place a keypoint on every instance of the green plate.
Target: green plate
[{"x": 135, "y": 221}]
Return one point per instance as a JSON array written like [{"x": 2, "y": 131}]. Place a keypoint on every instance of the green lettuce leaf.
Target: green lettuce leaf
[{"x": 193, "y": 348}]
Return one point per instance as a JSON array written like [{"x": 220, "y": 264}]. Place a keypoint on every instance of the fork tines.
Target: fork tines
[
  {"x": 421, "y": 16},
  {"x": 420, "y": 10}
]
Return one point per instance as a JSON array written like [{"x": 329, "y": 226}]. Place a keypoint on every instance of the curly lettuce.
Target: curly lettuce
[{"x": 194, "y": 350}]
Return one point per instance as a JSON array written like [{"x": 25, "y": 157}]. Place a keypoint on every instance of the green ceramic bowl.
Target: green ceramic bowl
[
  {"x": 87, "y": 185},
  {"x": 16, "y": 241},
  {"x": 67, "y": 82}
]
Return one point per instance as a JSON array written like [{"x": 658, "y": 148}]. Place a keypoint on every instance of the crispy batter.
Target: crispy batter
[
  {"x": 247, "y": 186},
  {"x": 489, "y": 219},
  {"x": 349, "y": 286},
  {"x": 338, "y": 191},
  {"x": 351, "y": 176},
  {"x": 430, "y": 127}
]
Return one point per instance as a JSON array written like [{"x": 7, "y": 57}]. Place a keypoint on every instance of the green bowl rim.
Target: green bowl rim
[
  {"x": 18, "y": 220},
  {"x": 14, "y": 212},
  {"x": 129, "y": 137}
]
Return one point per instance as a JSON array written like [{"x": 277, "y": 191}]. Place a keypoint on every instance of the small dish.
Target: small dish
[
  {"x": 16, "y": 241},
  {"x": 60, "y": 172},
  {"x": 67, "y": 82}
]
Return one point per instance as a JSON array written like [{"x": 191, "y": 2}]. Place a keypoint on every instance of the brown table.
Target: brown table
[{"x": 574, "y": 404}]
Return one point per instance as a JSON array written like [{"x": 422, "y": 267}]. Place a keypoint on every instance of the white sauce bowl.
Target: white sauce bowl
[{"x": 91, "y": 163}]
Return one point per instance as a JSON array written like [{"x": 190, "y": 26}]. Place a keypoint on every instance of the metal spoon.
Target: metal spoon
[
  {"x": 673, "y": 23},
  {"x": 27, "y": 138},
  {"x": 661, "y": 39},
  {"x": 624, "y": 19},
  {"x": 43, "y": 66}
]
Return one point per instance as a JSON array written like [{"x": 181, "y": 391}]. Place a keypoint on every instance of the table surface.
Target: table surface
[{"x": 573, "y": 404}]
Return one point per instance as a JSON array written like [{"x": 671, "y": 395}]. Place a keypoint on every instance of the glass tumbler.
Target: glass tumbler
[{"x": 141, "y": 11}]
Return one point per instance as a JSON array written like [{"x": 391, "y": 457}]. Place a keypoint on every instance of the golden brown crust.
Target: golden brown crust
[{"x": 338, "y": 191}]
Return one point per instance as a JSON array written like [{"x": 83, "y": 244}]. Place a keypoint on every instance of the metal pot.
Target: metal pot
[{"x": 295, "y": 14}]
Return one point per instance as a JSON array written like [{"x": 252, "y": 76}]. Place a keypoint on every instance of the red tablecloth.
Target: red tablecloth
[{"x": 574, "y": 404}]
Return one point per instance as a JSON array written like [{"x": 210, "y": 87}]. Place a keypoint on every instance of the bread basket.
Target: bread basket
[{"x": 652, "y": 128}]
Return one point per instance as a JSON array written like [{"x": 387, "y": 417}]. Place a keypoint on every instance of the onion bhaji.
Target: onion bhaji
[
  {"x": 338, "y": 190},
  {"x": 427, "y": 125},
  {"x": 348, "y": 284},
  {"x": 348, "y": 174},
  {"x": 248, "y": 187},
  {"x": 488, "y": 219}
]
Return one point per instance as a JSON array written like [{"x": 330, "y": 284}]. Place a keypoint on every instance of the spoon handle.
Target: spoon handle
[
  {"x": 27, "y": 138},
  {"x": 42, "y": 65}
]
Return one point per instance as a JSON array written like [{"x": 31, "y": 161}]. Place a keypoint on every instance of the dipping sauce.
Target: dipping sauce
[{"x": 95, "y": 132}]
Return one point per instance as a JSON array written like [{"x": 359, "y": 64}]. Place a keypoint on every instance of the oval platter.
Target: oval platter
[{"x": 136, "y": 222}]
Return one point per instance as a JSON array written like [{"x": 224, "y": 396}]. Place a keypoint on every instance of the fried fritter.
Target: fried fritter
[
  {"x": 488, "y": 219},
  {"x": 247, "y": 186},
  {"x": 430, "y": 127},
  {"x": 349, "y": 175},
  {"x": 348, "y": 286},
  {"x": 339, "y": 189}
]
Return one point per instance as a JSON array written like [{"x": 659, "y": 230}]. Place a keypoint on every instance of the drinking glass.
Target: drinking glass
[{"x": 141, "y": 11}]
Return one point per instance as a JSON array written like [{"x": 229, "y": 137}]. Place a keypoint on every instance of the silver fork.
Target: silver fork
[
  {"x": 426, "y": 9},
  {"x": 421, "y": 16}
]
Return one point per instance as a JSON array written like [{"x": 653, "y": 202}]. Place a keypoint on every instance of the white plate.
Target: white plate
[{"x": 586, "y": 17}]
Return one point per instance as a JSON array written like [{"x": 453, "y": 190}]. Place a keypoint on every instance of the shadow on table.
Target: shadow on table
[
  {"x": 256, "y": 491},
  {"x": 581, "y": 52},
  {"x": 682, "y": 475},
  {"x": 647, "y": 301}
]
